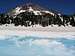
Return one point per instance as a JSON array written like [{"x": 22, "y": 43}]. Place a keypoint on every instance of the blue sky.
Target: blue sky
[{"x": 64, "y": 6}]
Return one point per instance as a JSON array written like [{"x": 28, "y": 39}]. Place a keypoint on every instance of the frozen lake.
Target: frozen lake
[{"x": 35, "y": 46}]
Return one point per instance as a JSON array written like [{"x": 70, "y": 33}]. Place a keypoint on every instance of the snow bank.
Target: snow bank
[
  {"x": 38, "y": 31},
  {"x": 40, "y": 34}
]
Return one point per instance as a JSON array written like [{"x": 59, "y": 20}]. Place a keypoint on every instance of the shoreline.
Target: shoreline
[
  {"x": 39, "y": 28},
  {"x": 40, "y": 34},
  {"x": 48, "y": 32}
]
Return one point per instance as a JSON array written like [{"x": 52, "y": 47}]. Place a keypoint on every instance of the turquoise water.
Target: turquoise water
[{"x": 36, "y": 46}]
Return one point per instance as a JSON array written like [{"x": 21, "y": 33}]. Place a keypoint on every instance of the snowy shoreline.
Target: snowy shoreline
[
  {"x": 55, "y": 28},
  {"x": 38, "y": 31},
  {"x": 40, "y": 34},
  {"x": 49, "y": 32}
]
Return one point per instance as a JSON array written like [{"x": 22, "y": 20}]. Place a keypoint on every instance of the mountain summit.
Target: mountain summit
[{"x": 29, "y": 7}]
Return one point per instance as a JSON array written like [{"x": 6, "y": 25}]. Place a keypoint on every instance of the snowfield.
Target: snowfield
[{"x": 38, "y": 31}]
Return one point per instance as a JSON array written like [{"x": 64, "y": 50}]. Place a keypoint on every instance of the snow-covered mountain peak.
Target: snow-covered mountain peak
[{"x": 37, "y": 10}]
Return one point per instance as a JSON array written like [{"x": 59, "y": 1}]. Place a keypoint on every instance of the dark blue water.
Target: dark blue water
[{"x": 36, "y": 46}]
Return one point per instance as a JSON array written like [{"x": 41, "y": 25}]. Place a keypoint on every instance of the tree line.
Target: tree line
[{"x": 29, "y": 19}]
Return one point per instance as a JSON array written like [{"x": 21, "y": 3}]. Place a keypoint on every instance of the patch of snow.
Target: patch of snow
[
  {"x": 22, "y": 11},
  {"x": 74, "y": 18},
  {"x": 30, "y": 9},
  {"x": 61, "y": 18},
  {"x": 49, "y": 12},
  {"x": 37, "y": 13},
  {"x": 17, "y": 10},
  {"x": 59, "y": 14}
]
